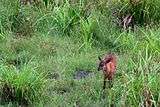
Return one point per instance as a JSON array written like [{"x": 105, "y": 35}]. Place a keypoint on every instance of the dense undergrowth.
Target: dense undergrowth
[{"x": 44, "y": 43}]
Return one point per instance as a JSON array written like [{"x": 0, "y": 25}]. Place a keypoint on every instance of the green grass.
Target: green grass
[
  {"x": 25, "y": 85},
  {"x": 42, "y": 47}
]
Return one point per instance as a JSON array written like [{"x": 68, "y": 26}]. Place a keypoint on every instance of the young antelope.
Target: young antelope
[{"x": 108, "y": 66}]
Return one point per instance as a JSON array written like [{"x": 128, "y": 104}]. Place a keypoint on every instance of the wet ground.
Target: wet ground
[{"x": 81, "y": 74}]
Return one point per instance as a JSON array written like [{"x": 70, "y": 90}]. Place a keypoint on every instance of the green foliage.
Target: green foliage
[
  {"x": 87, "y": 31},
  {"x": 66, "y": 17},
  {"x": 46, "y": 2},
  {"x": 143, "y": 11},
  {"x": 5, "y": 12},
  {"x": 14, "y": 20},
  {"x": 67, "y": 36},
  {"x": 21, "y": 25},
  {"x": 23, "y": 86}
]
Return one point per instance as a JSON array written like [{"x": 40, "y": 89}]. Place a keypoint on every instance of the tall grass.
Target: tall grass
[
  {"x": 87, "y": 30},
  {"x": 143, "y": 11},
  {"x": 66, "y": 37},
  {"x": 24, "y": 86},
  {"x": 66, "y": 17}
]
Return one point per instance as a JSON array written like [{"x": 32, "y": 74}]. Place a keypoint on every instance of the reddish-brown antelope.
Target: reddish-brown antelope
[{"x": 108, "y": 66}]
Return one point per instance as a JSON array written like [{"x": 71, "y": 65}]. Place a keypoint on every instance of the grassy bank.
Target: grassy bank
[{"x": 43, "y": 45}]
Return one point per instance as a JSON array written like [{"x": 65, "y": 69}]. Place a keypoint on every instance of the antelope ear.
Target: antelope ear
[{"x": 99, "y": 58}]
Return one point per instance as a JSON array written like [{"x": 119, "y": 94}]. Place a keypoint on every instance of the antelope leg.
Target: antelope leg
[{"x": 104, "y": 82}]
